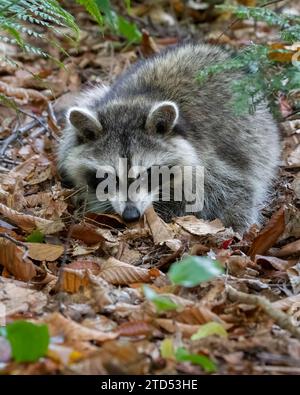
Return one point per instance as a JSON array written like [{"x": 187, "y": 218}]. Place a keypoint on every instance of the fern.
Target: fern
[
  {"x": 21, "y": 19},
  {"x": 271, "y": 69}
]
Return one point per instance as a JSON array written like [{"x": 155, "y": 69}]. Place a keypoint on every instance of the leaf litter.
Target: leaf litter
[{"x": 126, "y": 304}]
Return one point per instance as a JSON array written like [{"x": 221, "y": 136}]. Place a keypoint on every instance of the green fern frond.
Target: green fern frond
[{"x": 21, "y": 18}]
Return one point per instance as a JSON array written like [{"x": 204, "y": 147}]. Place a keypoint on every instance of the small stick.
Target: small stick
[
  {"x": 15, "y": 134},
  {"x": 282, "y": 319}
]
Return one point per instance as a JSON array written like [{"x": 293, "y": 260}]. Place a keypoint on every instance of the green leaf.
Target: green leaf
[
  {"x": 211, "y": 328},
  {"x": 162, "y": 303},
  {"x": 28, "y": 341},
  {"x": 182, "y": 355},
  {"x": 194, "y": 270},
  {"x": 110, "y": 15},
  {"x": 167, "y": 349},
  {"x": 35, "y": 236},
  {"x": 128, "y": 30},
  {"x": 93, "y": 8}
]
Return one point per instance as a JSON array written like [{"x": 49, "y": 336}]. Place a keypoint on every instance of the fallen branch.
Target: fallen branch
[{"x": 281, "y": 319}]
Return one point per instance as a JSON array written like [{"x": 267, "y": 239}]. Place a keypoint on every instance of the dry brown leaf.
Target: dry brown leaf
[
  {"x": 72, "y": 280},
  {"x": 20, "y": 95},
  {"x": 160, "y": 231},
  {"x": 276, "y": 263},
  {"x": 77, "y": 275},
  {"x": 22, "y": 171},
  {"x": 289, "y": 249},
  {"x": 80, "y": 250},
  {"x": 14, "y": 259},
  {"x": 171, "y": 326},
  {"x": 286, "y": 303},
  {"x": 30, "y": 222},
  {"x": 88, "y": 233},
  {"x": 121, "y": 273},
  {"x": 135, "y": 328},
  {"x": 44, "y": 252},
  {"x": 200, "y": 227},
  {"x": 42, "y": 174},
  {"x": 268, "y": 236},
  {"x": 197, "y": 315},
  {"x": 114, "y": 357},
  {"x": 73, "y": 332},
  {"x": 112, "y": 221},
  {"x": 148, "y": 46},
  {"x": 16, "y": 298},
  {"x": 294, "y": 276}
]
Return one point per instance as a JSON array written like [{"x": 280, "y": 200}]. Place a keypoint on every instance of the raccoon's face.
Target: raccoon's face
[{"x": 112, "y": 155}]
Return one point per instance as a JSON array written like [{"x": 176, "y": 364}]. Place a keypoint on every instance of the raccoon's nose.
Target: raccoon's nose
[{"x": 131, "y": 214}]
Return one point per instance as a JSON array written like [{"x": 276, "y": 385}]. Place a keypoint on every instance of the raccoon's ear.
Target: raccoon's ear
[
  {"x": 162, "y": 117},
  {"x": 85, "y": 123}
]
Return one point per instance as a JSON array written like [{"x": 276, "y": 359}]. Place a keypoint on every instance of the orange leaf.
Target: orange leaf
[
  {"x": 88, "y": 233},
  {"x": 268, "y": 236},
  {"x": 72, "y": 280},
  {"x": 13, "y": 258}
]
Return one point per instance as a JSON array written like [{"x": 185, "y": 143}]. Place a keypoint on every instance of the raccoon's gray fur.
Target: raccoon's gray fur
[{"x": 158, "y": 114}]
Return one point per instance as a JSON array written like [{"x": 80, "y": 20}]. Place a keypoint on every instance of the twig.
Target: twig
[
  {"x": 15, "y": 134},
  {"x": 282, "y": 319},
  {"x": 51, "y": 113},
  {"x": 35, "y": 117}
]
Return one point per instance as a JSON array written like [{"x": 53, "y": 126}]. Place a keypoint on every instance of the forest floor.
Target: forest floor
[{"x": 83, "y": 274}]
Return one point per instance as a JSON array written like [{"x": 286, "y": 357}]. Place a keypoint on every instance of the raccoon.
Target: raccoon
[{"x": 157, "y": 114}]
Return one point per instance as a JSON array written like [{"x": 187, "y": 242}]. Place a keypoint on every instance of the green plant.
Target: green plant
[
  {"x": 271, "y": 68},
  {"x": 23, "y": 22}
]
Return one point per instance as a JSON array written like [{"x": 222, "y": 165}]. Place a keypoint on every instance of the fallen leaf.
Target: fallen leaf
[
  {"x": 289, "y": 249},
  {"x": 134, "y": 328},
  {"x": 286, "y": 303},
  {"x": 88, "y": 233},
  {"x": 200, "y": 227},
  {"x": 73, "y": 332},
  {"x": 268, "y": 236},
  {"x": 18, "y": 299},
  {"x": 30, "y": 222},
  {"x": 28, "y": 341},
  {"x": 167, "y": 349},
  {"x": 44, "y": 252},
  {"x": 294, "y": 277},
  {"x": 159, "y": 229},
  {"x": 272, "y": 261},
  {"x": 120, "y": 273},
  {"x": 209, "y": 329},
  {"x": 114, "y": 357},
  {"x": 148, "y": 46},
  {"x": 14, "y": 259},
  {"x": 71, "y": 280},
  {"x": 172, "y": 326}
]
